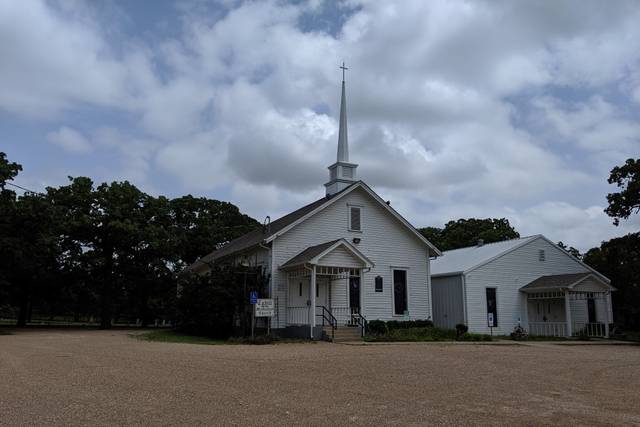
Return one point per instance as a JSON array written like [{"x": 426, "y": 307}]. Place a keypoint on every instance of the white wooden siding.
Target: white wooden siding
[
  {"x": 339, "y": 292},
  {"x": 340, "y": 257},
  {"x": 384, "y": 240},
  {"x": 508, "y": 274}
]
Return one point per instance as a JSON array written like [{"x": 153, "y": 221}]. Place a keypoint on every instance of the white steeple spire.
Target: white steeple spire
[
  {"x": 342, "y": 173},
  {"x": 343, "y": 140}
]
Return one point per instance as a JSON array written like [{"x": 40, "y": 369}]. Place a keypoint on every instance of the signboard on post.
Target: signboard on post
[
  {"x": 490, "y": 322},
  {"x": 265, "y": 307}
]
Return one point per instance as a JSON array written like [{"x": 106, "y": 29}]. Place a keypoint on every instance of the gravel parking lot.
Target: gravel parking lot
[{"x": 62, "y": 377}]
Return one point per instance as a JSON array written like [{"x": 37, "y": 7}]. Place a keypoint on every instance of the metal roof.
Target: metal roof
[
  {"x": 556, "y": 281},
  {"x": 463, "y": 259}
]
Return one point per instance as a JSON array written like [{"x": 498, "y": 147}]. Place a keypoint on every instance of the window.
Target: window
[
  {"x": 399, "y": 292},
  {"x": 541, "y": 255},
  {"x": 355, "y": 220},
  {"x": 378, "y": 284},
  {"x": 300, "y": 289},
  {"x": 317, "y": 291},
  {"x": 492, "y": 306}
]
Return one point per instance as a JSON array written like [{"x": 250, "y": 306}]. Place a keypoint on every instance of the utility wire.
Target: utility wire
[{"x": 23, "y": 188}]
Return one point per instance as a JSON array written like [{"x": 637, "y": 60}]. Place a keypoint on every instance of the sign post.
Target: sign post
[
  {"x": 253, "y": 299},
  {"x": 490, "y": 321}
]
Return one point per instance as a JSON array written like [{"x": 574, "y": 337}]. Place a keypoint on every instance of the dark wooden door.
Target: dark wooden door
[
  {"x": 591, "y": 309},
  {"x": 354, "y": 293}
]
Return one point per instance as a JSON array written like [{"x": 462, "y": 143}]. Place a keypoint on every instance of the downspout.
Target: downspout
[{"x": 464, "y": 299}]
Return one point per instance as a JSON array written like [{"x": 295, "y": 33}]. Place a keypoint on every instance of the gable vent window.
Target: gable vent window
[
  {"x": 355, "y": 218},
  {"x": 541, "y": 256}
]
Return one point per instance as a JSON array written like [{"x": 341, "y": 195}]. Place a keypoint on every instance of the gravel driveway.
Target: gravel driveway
[{"x": 61, "y": 377}]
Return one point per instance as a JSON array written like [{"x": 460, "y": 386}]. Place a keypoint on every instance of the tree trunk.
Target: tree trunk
[
  {"x": 106, "y": 294},
  {"x": 22, "y": 313},
  {"x": 23, "y": 309}
]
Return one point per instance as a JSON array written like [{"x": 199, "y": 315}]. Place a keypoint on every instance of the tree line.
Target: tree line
[
  {"x": 108, "y": 251},
  {"x": 113, "y": 252}
]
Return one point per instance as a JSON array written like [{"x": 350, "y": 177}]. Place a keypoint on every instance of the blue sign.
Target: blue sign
[{"x": 253, "y": 297}]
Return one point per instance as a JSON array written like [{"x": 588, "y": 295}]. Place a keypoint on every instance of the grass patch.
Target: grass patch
[
  {"x": 426, "y": 334},
  {"x": 179, "y": 337},
  {"x": 175, "y": 336}
]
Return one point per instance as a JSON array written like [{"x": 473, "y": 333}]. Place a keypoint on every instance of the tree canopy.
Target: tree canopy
[
  {"x": 619, "y": 260},
  {"x": 108, "y": 251},
  {"x": 467, "y": 232},
  {"x": 627, "y": 201}
]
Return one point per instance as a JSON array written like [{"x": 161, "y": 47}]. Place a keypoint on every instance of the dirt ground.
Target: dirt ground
[{"x": 62, "y": 377}]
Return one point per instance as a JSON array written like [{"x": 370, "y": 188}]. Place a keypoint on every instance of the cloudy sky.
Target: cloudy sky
[{"x": 510, "y": 109}]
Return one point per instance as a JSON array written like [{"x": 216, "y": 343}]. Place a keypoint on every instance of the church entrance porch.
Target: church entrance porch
[
  {"x": 568, "y": 305},
  {"x": 324, "y": 288}
]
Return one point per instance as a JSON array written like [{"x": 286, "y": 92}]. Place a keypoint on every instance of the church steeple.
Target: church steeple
[{"x": 342, "y": 173}]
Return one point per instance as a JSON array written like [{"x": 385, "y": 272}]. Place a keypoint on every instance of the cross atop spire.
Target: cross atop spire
[{"x": 343, "y": 68}]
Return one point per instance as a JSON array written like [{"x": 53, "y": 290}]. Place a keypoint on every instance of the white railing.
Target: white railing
[
  {"x": 548, "y": 329},
  {"x": 345, "y": 315},
  {"x": 589, "y": 329},
  {"x": 298, "y": 315}
]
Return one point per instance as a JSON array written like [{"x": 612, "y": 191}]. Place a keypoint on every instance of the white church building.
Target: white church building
[
  {"x": 349, "y": 258},
  {"x": 530, "y": 281},
  {"x": 340, "y": 260}
]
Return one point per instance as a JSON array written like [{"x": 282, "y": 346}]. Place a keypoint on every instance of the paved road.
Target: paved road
[{"x": 107, "y": 378}]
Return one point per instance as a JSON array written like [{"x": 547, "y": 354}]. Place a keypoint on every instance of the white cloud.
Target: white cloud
[
  {"x": 457, "y": 109},
  {"x": 70, "y": 140}
]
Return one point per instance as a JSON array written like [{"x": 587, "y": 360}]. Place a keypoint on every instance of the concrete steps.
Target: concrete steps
[{"x": 344, "y": 333}]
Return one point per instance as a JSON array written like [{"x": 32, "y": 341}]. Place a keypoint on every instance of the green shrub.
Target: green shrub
[
  {"x": 407, "y": 324},
  {"x": 377, "y": 327},
  {"x": 208, "y": 304},
  {"x": 461, "y": 329},
  {"x": 474, "y": 337}
]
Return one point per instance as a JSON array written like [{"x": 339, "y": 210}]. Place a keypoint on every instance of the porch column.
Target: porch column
[
  {"x": 312, "y": 309},
  {"x": 607, "y": 300},
  {"x": 567, "y": 312}
]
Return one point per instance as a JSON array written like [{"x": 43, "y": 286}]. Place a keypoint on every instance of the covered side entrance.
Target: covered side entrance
[
  {"x": 324, "y": 287},
  {"x": 567, "y": 305}
]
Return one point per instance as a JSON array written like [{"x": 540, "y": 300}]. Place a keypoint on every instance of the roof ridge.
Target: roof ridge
[{"x": 493, "y": 243}]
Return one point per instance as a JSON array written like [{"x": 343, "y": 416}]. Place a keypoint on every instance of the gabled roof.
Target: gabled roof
[
  {"x": 313, "y": 254},
  {"x": 464, "y": 259},
  {"x": 562, "y": 281},
  {"x": 360, "y": 184},
  {"x": 287, "y": 222},
  {"x": 260, "y": 234}
]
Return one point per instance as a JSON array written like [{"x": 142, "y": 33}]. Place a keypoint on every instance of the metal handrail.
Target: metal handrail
[
  {"x": 330, "y": 318},
  {"x": 361, "y": 321}
]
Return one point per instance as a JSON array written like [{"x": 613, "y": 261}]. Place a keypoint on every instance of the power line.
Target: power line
[{"x": 23, "y": 188}]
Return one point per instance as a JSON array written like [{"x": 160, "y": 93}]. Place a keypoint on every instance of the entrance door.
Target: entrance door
[
  {"x": 591, "y": 310},
  {"x": 354, "y": 294}
]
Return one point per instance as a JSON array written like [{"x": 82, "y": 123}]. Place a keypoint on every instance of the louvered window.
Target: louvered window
[
  {"x": 355, "y": 220},
  {"x": 541, "y": 255}
]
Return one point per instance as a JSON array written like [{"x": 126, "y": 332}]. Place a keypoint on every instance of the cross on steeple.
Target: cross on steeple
[{"x": 343, "y": 68}]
